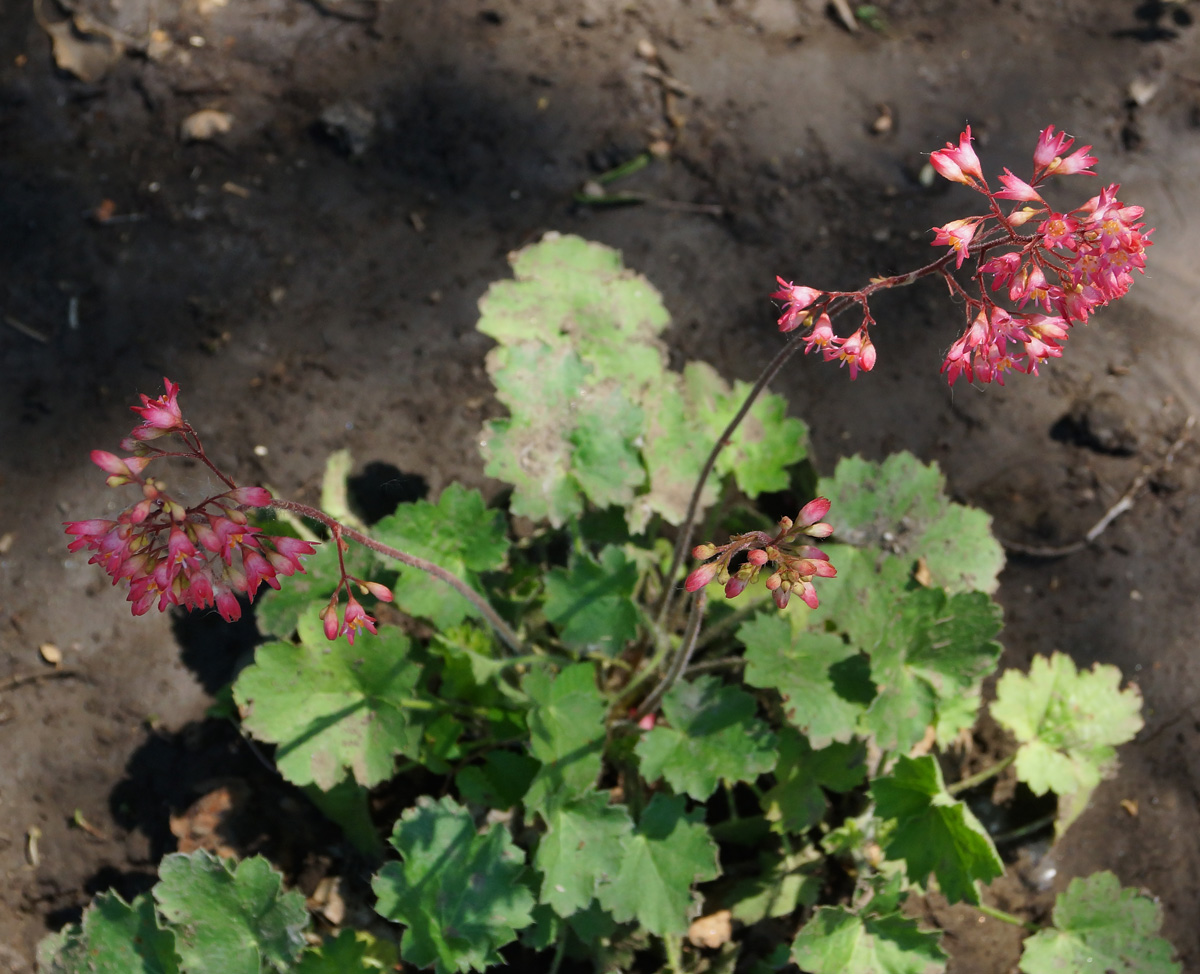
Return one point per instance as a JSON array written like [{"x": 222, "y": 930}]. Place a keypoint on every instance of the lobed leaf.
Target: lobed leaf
[
  {"x": 1098, "y": 926},
  {"x": 901, "y": 505},
  {"x": 669, "y": 852},
  {"x": 797, "y": 800},
  {"x": 350, "y": 952},
  {"x": 711, "y": 735},
  {"x": 330, "y": 706},
  {"x": 567, "y": 733},
  {"x": 837, "y": 941},
  {"x": 933, "y": 833},
  {"x": 591, "y": 602},
  {"x": 457, "y": 891},
  {"x": 822, "y": 680},
  {"x": 585, "y": 841},
  {"x": 1067, "y": 724},
  {"x": 114, "y": 937},
  {"x": 458, "y": 533},
  {"x": 230, "y": 918}
]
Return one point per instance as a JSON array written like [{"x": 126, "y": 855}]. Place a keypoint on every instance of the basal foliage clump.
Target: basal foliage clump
[{"x": 617, "y": 756}]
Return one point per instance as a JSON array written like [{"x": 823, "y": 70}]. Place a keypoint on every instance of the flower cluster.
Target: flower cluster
[
  {"x": 793, "y": 565},
  {"x": 1072, "y": 263},
  {"x": 355, "y": 618},
  {"x": 197, "y": 556}
]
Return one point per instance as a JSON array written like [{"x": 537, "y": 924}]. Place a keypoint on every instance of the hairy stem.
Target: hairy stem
[
  {"x": 1016, "y": 921},
  {"x": 501, "y": 628},
  {"x": 978, "y": 779}
]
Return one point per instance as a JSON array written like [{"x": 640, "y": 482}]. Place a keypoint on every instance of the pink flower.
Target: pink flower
[
  {"x": 355, "y": 620},
  {"x": 159, "y": 416},
  {"x": 1017, "y": 189},
  {"x": 701, "y": 576},
  {"x": 959, "y": 164},
  {"x": 857, "y": 351},
  {"x": 797, "y": 299},
  {"x": 957, "y": 235},
  {"x": 821, "y": 336}
]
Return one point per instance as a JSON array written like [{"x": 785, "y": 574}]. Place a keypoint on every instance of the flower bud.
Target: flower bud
[
  {"x": 701, "y": 576},
  {"x": 757, "y": 557},
  {"x": 703, "y": 551}
]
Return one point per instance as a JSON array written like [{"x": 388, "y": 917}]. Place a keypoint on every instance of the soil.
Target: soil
[{"x": 310, "y": 276}]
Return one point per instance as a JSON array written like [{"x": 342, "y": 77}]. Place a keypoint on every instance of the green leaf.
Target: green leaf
[
  {"x": 669, "y": 852},
  {"x": 335, "y": 497},
  {"x": 566, "y": 732},
  {"x": 1067, "y": 724},
  {"x": 1100, "y": 927},
  {"x": 331, "y": 706},
  {"x": 230, "y": 918},
  {"x": 933, "y": 832},
  {"x": 500, "y": 783},
  {"x": 592, "y": 604},
  {"x": 458, "y": 891},
  {"x": 822, "y": 680},
  {"x": 932, "y": 648},
  {"x": 901, "y": 504},
  {"x": 278, "y": 612},
  {"x": 114, "y": 937},
  {"x": 712, "y": 735},
  {"x": 836, "y": 941},
  {"x": 797, "y": 800},
  {"x": 459, "y": 534},
  {"x": 569, "y": 292},
  {"x": 350, "y": 952},
  {"x": 583, "y": 845},
  {"x": 765, "y": 444},
  {"x": 778, "y": 889}
]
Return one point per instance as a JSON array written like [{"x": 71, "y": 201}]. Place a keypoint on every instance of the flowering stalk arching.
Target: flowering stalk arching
[
  {"x": 1069, "y": 265},
  {"x": 793, "y": 565}
]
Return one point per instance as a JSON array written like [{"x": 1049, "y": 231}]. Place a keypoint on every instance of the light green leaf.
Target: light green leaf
[
  {"x": 458, "y": 892},
  {"x": 350, "y": 952},
  {"x": 901, "y": 505},
  {"x": 459, "y": 534},
  {"x": 669, "y": 852},
  {"x": 591, "y": 602},
  {"x": 797, "y": 800},
  {"x": 712, "y": 735},
  {"x": 567, "y": 732},
  {"x": 836, "y": 941},
  {"x": 1067, "y": 724},
  {"x": 332, "y": 706},
  {"x": 583, "y": 845},
  {"x": 569, "y": 292},
  {"x": 335, "y": 497},
  {"x": 778, "y": 889},
  {"x": 230, "y": 918},
  {"x": 934, "y": 833},
  {"x": 1098, "y": 926},
  {"x": 114, "y": 937},
  {"x": 822, "y": 680}
]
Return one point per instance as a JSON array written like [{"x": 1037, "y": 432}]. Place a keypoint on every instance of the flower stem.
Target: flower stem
[
  {"x": 1016, "y": 921},
  {"x": 502, "y": 628},
  {"x": 978, "y": 779},
  {"x": 682, "y": 657}
]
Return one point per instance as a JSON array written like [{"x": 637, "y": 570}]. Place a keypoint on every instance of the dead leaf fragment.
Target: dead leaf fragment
[
  {"x": 1131, "y": 806},
  {"x": 51, "y": 654},
  {"x": 204, "y": 125},
  {"x": 711, "y": 931},
  {"x": 922, "y": 575},
  {"x": 86, "y": 55},
  {"x": 205, "y": 824}
]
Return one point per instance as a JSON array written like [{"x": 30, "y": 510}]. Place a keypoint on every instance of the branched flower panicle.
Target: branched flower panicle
[
  {"x": 792, "y": 565},
  {"x": 198, "y": 556},
  {"x": 1071, "y": 263}
]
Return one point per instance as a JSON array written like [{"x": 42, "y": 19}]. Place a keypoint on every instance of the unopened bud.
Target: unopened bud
[{"x": 704, "y": 551}]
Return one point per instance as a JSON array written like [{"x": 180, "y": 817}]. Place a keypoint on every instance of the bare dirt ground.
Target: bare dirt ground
[{"x": 312, "y": 285}]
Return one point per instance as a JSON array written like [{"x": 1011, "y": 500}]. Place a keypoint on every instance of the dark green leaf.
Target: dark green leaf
[
  {"x": 584, "y": 844},
  {"x": 567, "y": 732},
  {"x": 592, "y": 604}
]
